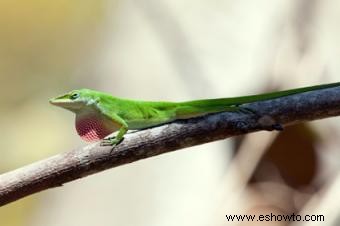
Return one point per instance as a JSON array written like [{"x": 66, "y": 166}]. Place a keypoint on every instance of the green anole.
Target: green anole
[{"x": 99, "y": 114}]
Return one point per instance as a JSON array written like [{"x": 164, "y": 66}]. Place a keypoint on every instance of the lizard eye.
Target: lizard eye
[{"x": 74, "y": 96}]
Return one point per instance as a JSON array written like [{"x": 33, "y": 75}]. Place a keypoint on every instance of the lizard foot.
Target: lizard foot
[{"x": 110, "y": 141}]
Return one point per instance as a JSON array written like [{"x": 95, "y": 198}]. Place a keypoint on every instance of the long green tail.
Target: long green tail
[{"x": 201, "y": 107}]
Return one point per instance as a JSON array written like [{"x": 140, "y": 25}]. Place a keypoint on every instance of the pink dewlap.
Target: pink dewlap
[{"x": 91, "y": 129}]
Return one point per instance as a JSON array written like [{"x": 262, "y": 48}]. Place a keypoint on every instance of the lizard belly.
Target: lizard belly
[{"x": 92, "y": 127}]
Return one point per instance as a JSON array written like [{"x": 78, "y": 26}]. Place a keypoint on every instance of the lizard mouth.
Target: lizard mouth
[
  {"x": 66, "y": 103},
  {"x": 59, "y": 102}
]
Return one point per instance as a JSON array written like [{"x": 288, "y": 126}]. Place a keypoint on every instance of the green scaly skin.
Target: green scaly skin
[{"x": 125, "y": 114}]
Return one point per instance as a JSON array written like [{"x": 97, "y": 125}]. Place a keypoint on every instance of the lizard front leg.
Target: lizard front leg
[{"x": 110, "y": 141}]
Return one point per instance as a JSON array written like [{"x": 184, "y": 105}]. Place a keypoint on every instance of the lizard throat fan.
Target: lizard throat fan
[{"x": 91, "y": 128}]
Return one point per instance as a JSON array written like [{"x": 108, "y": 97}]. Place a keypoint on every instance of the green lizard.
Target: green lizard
[{"x": 99, "y": 114}]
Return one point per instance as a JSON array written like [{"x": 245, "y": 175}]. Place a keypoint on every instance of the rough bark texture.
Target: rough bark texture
[{"x": 78, "y": 163}]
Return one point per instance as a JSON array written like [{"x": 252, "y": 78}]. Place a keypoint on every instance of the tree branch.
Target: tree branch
[{"x": 78, "y": 163}]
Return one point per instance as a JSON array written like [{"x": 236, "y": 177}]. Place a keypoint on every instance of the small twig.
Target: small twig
[{"x": 78, "y": 163}]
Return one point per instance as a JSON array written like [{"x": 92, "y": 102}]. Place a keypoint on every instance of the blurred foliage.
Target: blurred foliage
[
  {"x": 41, "y": 42},
  {"x": 294, "y": 154},
  {"x": 42, "y": 45},
  {"x": 17, "y": 213}
]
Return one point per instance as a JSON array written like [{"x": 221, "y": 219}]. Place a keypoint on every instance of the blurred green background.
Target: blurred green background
[{"x": 169, "y": 50}]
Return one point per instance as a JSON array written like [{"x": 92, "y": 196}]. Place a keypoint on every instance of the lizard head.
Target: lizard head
[{"x": 75, "y": 100}]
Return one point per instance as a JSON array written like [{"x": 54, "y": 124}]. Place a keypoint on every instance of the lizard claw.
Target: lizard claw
[
  {"x": 105, "y": 143},
  {"x": 110, "y": 141}
]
